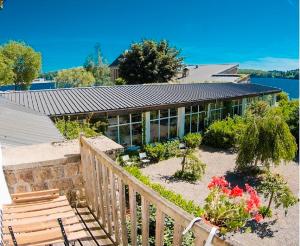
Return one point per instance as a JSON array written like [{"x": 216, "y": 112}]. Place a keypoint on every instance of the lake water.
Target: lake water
[{"x": 290, "y": 86}]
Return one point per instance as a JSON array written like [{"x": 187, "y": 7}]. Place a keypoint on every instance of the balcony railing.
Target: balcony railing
[{"x": 105, "y": 185}]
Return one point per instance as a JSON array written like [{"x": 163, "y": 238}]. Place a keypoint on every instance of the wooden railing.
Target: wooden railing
[{"x": 105, "y": 185}]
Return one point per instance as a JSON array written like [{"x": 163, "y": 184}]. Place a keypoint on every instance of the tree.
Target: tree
[
  {"x": 94, "y": 64},
  {"x": 192, "y": 168},
  {"x": 75, "y": 77},
  {"x": 6, "y": 72},
  {"x": 25, "y": 62},
  {"x": 150, "y": 62},
  {"x": 274, "y": 187},
  {"x": 266, "y": 139}
]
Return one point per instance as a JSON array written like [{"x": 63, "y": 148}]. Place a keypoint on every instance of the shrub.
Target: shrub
[
  {"x": 71, "y": 129},
  {"x": 230, "y": 208},
  {"x": 192, "y": 140},
  {"x": 265, "y": 211},
  {"x": 162, "y": 151},
  {"x": 224, "y": 133}
]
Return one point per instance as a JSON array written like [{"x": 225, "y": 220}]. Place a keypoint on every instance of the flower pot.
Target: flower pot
[{"x": 207, "y": 222}]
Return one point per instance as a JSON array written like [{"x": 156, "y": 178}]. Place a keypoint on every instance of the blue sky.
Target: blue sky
[{"x": 255, "y": 33}]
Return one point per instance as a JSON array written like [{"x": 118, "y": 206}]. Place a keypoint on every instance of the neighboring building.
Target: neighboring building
[
  {"x": 139, "y": 114},
  {"x": 114, "y": 68},
  {"x": 213, "y": 73},
  {"x": 21, "y": 125}
]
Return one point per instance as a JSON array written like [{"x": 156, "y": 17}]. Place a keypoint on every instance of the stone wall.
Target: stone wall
[{"x": 48, "y": 166}]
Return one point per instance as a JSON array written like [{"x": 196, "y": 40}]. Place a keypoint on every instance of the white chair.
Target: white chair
[
  {"x": 182, "y": 146},
  {"x": 144, "y": 158},
  {"x": 126, "y": 160}
]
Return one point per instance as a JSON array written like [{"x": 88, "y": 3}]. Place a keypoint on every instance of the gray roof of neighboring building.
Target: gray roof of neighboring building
[
  {"x": 22, "y": 126},
  {"x": 99, "y": 99},
  {"x": 206, "y": 73}
]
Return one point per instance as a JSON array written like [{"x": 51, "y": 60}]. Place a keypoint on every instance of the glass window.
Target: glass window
[
  {"x": 136, "y": 117},
  {"x": 194, "y": 109},
  {"x": 112, "y": 133},
  {"x": 187, "y": 110},
  {"x": 124, "y": 119},
  {"x": 137, "y": 134},
  {"x": 125, "y": 135},
  {"x": 112, "y": 120},
  {"x": 164, "y": 129},
  {"x": 154, "y": 115},
  {"x": 187, "y": 124},
  {"x": 173, "y": 128},
  {"x": 194, "y": 123},
  {"x": 201, "y": 107},
  {"x": 201, "y": 121},
  {"x": 173, "y": 112},
  {"x": 154, "y": 131},
  {"x": 164, "y": 113}
]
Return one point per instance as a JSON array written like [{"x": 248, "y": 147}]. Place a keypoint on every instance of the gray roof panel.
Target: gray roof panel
[{"x": 74, "y": 101}]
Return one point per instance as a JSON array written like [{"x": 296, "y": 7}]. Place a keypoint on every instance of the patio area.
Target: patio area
[{"x": 277, "y": 230}]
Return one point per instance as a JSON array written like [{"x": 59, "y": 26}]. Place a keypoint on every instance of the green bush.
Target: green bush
[
  {"x": 71, "y": 129},
  {"x": 224, "y": 133},
  {"x": 265, "y": 212},
  {"x": 162, "y": 151},
  {"x": 177, "y": 199},
  {"x": 192, "y": 140}
]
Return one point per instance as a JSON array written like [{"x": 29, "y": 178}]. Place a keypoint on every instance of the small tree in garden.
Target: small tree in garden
[
  {"x": 267, "y": 139},
  {"x": 230, "y": 207},
  {"x": 192, "y": 168},
  {"x": 275, "y": 188}
]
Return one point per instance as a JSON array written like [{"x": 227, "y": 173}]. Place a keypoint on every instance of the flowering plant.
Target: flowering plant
[{"x": 228, "y": 207}]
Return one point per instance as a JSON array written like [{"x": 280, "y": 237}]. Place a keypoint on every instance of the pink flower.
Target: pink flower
[
  {"x": 236, "y": 191},
  {"x": 217, "y": 182},
  {"x": 258, "y": 217},
  {"x": 226, "y": 190}
]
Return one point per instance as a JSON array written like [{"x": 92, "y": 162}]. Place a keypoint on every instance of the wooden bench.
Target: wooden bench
[{"x": 34, "y": 219}]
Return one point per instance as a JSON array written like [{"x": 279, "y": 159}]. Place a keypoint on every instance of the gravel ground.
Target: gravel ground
[{"x": 279, "y": 230}]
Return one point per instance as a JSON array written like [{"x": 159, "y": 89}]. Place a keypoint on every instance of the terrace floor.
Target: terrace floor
[
  {"x": 94, "y": 228},
  {"x": 279, "y": 230}
]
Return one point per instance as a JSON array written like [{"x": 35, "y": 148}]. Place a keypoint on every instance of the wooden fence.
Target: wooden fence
[{"x": 115, "y": 209}]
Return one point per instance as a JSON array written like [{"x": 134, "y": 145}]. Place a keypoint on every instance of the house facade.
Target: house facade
[{"x": 138, "y": 114}]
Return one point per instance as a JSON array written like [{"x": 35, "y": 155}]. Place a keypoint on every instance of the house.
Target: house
[{"x": 137, "y": 114}]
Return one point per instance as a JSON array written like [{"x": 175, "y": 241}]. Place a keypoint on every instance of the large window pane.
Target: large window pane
[
  {"x": 112, "y": 133},
  {"x": 154, "y": 115},
  {"x": 154, "y": 131},
  {"x": 195, "y": 109},
  {"x": 201, "y": 121},
  {"x": 173, "y": 127},
  {"x": 136, "y": 117},
  {"x": 163, "y": 129},
  {"x": 194, "y": 123},
  {"x": 124, "y": 119},
  {"x": 112, "y": 120},
  {"x": 201, "y": 107},
  {"x": 164, "y": 113},
  {"x": 187, "y": 110},
  {"x": 173, "y": 112},
  {"x": 137, "y": 134},
  {"x": 187, "y": 124},
  {"x": 124, "y": 135}
]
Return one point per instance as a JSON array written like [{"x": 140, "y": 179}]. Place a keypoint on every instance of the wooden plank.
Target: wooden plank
[
  {"x": 38, "y": 219},
  {"x": 107, "y": 199},
  {"x": 38, "y": 226},
  {"x": 122, "y": 202},
  {"x": 159, "y": 227},
  {"x": 133, "y": 219},
  {"x": 177, "y": 233},
  {"x": 145, "y": 222},
  {"x": 34, "y": 198},
  {"x": 43, "y": 236},
  {"x": 31, "y": 208},
  {"x": 114, "y": 208},
  {"x": 99, "y": 180},
  {"x": 35, "y": 193},
  {"x": 14, "y": 216}
]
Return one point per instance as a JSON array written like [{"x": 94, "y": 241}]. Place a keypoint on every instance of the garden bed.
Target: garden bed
[{"x": 284, "y": 231}]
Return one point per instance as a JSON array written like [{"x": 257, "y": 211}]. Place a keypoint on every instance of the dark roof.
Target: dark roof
[
  {"x": 114, "y": 98},
  {"x": 22, "y": 126},
  {"x": 116, "y": 62}
]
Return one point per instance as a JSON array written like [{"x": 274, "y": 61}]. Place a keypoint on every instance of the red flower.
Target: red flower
[
  {"x": 250, "y": 205},
  {"x": 236, "y": 191},
  {"x": 226, "y": 190},
  {"x": 258, "y": 217},
  {"x": 217, "y": 182}
]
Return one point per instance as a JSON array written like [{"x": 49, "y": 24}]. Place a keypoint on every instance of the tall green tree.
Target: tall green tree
[
  {"x": 266, "y": 139},
  {"x": 25, "y": 62},
  {"x": 95, "y": 64},
  {"x": 6, "y": 72},
  {"x": 74, "y": 77},
  {"x": 150, "y": 62}
]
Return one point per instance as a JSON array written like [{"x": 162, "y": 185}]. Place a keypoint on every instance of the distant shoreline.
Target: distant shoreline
[{"x": 254, "y": 73}]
